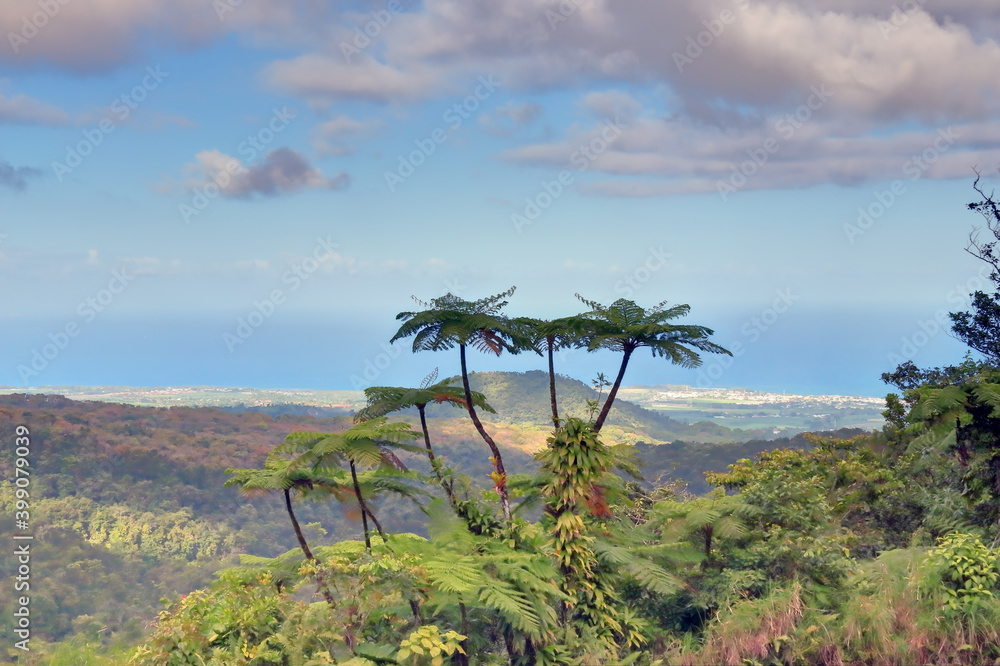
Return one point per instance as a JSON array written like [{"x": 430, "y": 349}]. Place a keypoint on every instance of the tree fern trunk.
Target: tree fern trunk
[
  {"x": 463, "y": 659},
  {"x": 435, "y": 464},
  {"x": 614, "y": 391},
  {"x": 427, "y": 436},
  {"x": 378, "y": 525},
  {"x": 501, "y": 484},
  {"x": 415, "y": 609},
  {"x": 364, "y": 508},
  {"x": 295, "y": 526},
  {"x": 551, "y": 340},
  {"x": 320, "y": 579}
]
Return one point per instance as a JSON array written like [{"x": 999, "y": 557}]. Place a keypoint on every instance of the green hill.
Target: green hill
[{"x": 522, "y": 398}]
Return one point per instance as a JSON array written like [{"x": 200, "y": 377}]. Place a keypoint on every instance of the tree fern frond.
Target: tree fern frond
[
  {"x": 654, "y": 578},
  {"x": 728, "y": 527},
  {"x": 512, "y": 604},
  {"x": 429, "y": 379},
  {"x": 458, "y": 575}
]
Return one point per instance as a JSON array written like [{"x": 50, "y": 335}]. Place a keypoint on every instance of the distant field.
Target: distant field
[{"x": 202, "y": 396}]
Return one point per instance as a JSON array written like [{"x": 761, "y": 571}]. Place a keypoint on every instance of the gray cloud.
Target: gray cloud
[
  {"x": 16, "y": 178},
  {"x": 713, "y": 75},
  {"x": 88, "y": 37},
  {"x": 282, "y": 171},
  {"x": 658, "y": 156},
  {"x": 928, "y": 68}
]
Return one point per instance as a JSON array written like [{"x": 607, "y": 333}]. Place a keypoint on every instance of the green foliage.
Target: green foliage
[
  {"x": 626, "y": 327},
  {"x": 449, "y": 320},
  {"x": 576, "y": 463},
  {"x": 961, "y": 422},
  {"x": 384, "y": 400},
  {"x": 240, "y": 623},
  {"x": 980, "y": 327},
  {"x": 968, "y": 571},
  {"x": 428, "y": 646}
]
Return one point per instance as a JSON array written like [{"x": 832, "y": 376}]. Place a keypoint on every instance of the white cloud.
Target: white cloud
[
  {"x": 333, "y": 136},
  {"x": 326, "y": 79},
  {"x": 510, "y": 117}
]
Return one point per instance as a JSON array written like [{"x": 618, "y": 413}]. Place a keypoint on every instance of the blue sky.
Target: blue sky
[{"x": 169, "y": 169}]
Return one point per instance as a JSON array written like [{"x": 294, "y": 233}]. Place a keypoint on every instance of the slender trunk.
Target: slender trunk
[
  {"x": 320, "y": 579},
  {"x": 529, "y": 651},
  {"x": 378, "y": 525},
  {"x": 501, "y": 483},
  {"x": 435, "y": 464},
  {"x": 295, "y": 526},
  {"x": 706, "y": 532},
  {"x": 427, "y": 435},
  {"x": 361, "y": 503},
  {"x": 551, "y": 340},
  {"x": 614, "y": 391},
  {"x": 996, "y": 476},
  {"x": 415, "y": 608},
  {"x": 460, "y": 658},
  {"x": 960, "y": 444},
  {"x": 508, "y": 641}
]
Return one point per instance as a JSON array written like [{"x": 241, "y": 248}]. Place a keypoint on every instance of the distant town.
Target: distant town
[
  {"x": 749, "y": 397},
  {"x": 743, "y": 408}
]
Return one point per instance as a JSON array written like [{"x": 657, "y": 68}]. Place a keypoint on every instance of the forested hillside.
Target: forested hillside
[
  {"x": 131, "y": 506},
  {"x": 520, "y": 398}
]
